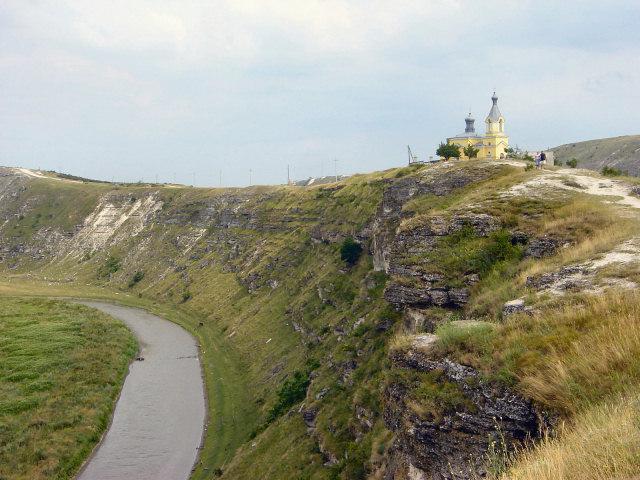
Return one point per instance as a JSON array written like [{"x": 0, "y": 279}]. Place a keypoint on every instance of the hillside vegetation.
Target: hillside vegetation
[
  {"x": 621, "y": 153},
  {"x": 61, "y": 369},
  {"x": 411, "y": 322}
]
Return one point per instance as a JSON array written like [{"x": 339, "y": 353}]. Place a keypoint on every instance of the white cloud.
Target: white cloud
[{"x": 206, "y": 31}]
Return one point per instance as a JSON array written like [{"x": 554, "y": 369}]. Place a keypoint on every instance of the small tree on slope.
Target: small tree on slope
[
  {"x": 470, "y": 151},
  {"x": 448, "y": 150}
]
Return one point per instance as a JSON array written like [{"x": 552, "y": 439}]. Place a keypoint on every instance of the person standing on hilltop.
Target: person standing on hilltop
[
  {"x": 543, "y": 159},
  {"x": 538, "y": 160}
]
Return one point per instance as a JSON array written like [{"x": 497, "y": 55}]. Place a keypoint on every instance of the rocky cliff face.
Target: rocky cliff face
[
  {"x": 459, "y": 442},
  {"x": 491, "y": 419}
]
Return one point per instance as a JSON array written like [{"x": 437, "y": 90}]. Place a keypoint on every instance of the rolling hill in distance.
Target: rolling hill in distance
[{"x": 622, "y": 153}]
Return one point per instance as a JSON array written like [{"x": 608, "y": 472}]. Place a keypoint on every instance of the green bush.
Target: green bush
[
  {"x": 292, "y": 391},
  {"x": 111, "y": 266},
  {"x": 465, "y": 252},
  {"x": 573, "y": 163},
  {"x": 471, "y": 151},
  {"x": 528, "y": 167},
  {"x": 448, "y": 150},
  {"x": 350, "y": 251},
  {"x": 137, "y": 277},
  {"x": 499, "y": 249},
  {"x": 608, "y": 171}
]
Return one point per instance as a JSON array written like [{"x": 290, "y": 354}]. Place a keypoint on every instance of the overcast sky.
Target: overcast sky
[{"x": 131, "y": 89}]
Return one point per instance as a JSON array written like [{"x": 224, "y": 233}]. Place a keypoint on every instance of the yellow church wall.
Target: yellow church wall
[{"x": 494, "y": 146}]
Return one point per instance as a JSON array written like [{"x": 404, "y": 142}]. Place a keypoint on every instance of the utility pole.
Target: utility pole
[
  {"x": 335, "y": 168},
  {"x": 288, "y": 176}
]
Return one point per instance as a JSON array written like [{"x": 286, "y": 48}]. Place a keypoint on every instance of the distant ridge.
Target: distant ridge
[{"x": 622, "y": 153}]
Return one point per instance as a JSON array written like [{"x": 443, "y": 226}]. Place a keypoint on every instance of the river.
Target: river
[{"x": 158, "y": 421}]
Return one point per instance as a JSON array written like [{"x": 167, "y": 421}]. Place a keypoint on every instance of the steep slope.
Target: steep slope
[
  {"x": 622, "y": 153},
  {"x": 425, "y": 359}
]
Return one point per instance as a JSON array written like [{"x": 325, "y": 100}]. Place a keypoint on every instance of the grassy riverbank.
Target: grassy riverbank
[
  {"x": 227, "y": 395},
  {"x": 61, "y": 369}
]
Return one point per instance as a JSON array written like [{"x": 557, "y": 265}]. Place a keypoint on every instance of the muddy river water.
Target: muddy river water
[{"x": 158, "y": 421}]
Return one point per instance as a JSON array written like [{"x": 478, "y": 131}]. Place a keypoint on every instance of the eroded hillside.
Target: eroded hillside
[{"x": 431, "y": 357}]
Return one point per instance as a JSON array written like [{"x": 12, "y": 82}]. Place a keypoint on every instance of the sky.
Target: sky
[{"x": 234, "y": 91}]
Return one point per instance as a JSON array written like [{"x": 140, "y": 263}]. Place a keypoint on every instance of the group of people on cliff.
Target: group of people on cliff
[{"x": 541, "y": 159}]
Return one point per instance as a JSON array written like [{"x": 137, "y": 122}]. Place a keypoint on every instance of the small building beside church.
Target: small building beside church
[{"x": 493, "y": 143}]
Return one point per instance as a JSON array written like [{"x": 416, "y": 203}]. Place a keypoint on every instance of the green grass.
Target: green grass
[
  {"x": 232, "y": 412},
  {"x": 61, "y": 369}
]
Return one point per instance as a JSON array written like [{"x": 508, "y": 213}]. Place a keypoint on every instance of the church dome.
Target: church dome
[
  {"x": 470, "y": 128},
  {"x": 494, "y": 113}
]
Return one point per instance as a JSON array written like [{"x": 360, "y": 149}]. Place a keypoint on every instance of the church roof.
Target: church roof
[
  {"x": 468, "y": 135},
  {"x": 494, "y": 113}
]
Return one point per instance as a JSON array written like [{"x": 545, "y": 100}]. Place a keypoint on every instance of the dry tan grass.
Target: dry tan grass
[
  {"x": 400, "y": 342},
  {"x": 603, "y": 358},
  {"x": 602, "y": 444},
  {"x": 601, "y": 229}
]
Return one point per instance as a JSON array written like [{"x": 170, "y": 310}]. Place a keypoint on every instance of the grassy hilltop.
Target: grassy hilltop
[{"x": 317, "y": 368}]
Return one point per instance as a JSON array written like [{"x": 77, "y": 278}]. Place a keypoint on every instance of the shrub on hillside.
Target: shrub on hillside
[
  {"x": 111, "y": 266},
  {"x": 137, "y": 277},
  {"x": 350, "y": 251},
  {"x": 608, "y": 171},
  {"x": 499, "y": 249},
  {"x": 465, "y": 252},
  {"x": 573, "y": 163},
  {"x": 292, "y": 391}
]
